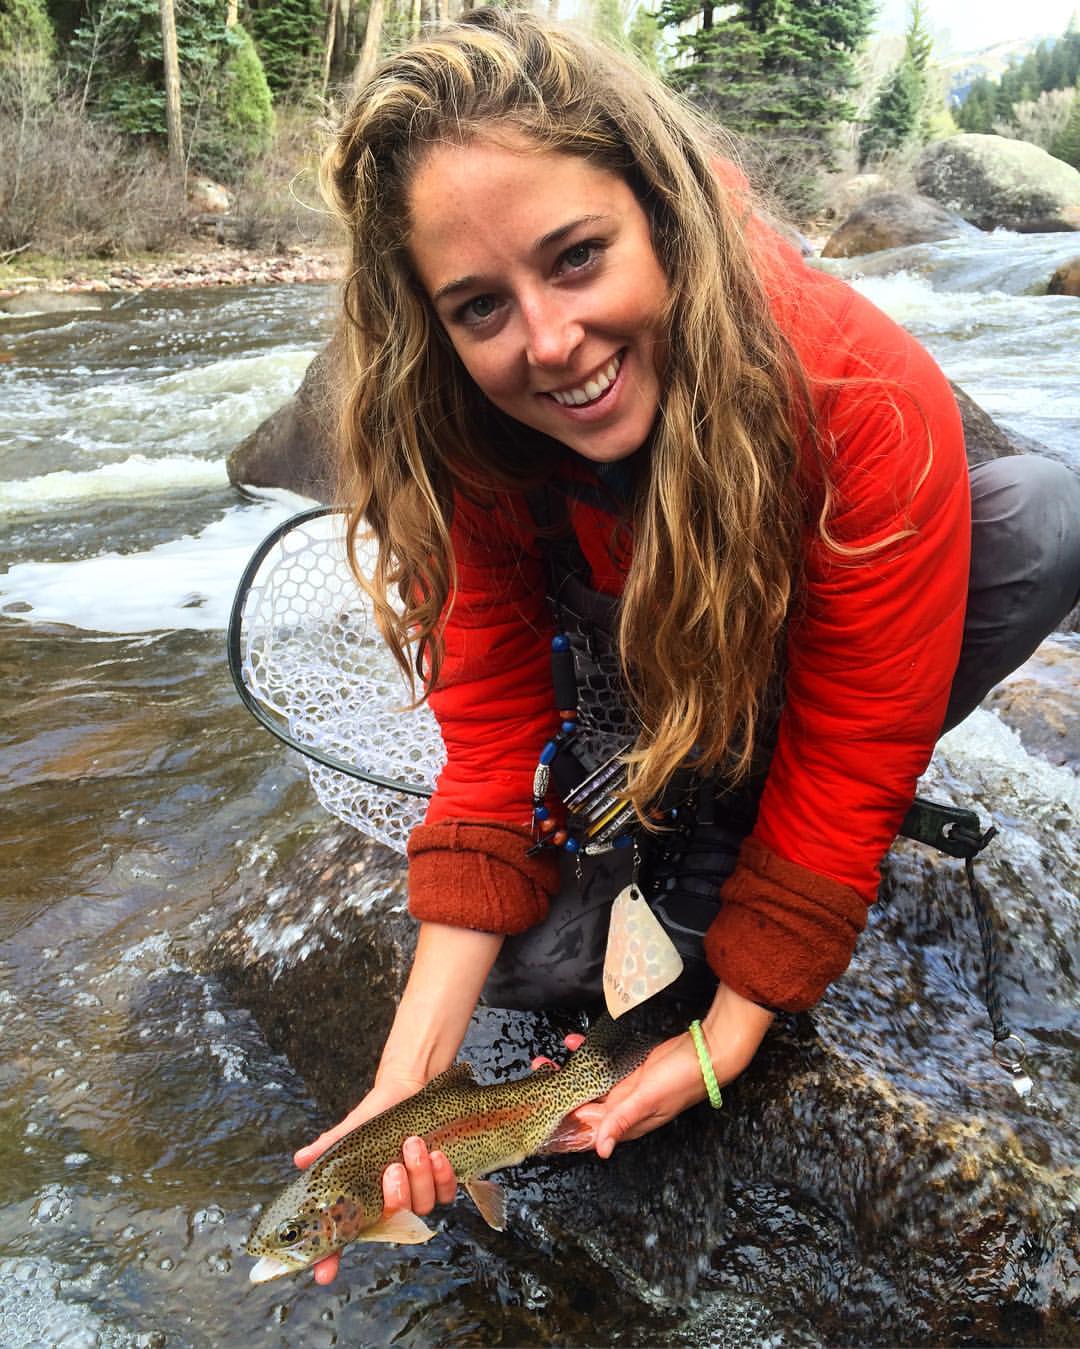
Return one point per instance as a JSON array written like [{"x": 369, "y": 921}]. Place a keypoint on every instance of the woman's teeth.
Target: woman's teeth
[{"x": 591, "y": 389}]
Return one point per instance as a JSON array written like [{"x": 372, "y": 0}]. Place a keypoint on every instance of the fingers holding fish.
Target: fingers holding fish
[
  {"x": 423, "y": 1180},
  {"x": 572, "y": 1041},
  {"x": 667, "y": 1083}
]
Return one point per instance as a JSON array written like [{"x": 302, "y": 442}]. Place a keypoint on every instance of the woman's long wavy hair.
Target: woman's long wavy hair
[{"x": 718, "y": 516}]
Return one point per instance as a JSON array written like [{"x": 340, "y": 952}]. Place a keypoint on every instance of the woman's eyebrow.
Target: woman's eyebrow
[{"x": 545, "y": 241}]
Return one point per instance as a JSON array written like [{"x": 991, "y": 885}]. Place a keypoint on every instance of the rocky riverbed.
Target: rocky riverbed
[{"x": 88, "y": 285}]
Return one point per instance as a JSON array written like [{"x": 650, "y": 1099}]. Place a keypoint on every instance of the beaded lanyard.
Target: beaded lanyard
[{"x": 603, "y": 818}]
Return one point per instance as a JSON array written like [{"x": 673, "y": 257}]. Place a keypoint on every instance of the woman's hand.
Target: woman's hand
[
  {"x": 418, "y": 1182},
  {"x": 670, "y": 1080},
  {"x": 448, "y": 971}
]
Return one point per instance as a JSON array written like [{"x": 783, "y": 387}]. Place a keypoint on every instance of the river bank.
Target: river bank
[{"x": 201, "y": 265}]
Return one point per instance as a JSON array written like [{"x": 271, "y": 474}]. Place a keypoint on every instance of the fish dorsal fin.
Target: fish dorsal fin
[
  {"x": 457, "y": 1075},
  {"x": 488, "y": 1197},
  {"x": 402, "y": 1227}
]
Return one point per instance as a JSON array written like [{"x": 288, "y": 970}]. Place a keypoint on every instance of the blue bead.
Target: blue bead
[
  {"x": 541, "y": 813},
  {"x": 569, "y": 727},
  {"x": 547, "y": 754},
  {"x": 623, "y": 841},
  {"x": 560, "y": 642},
  {"x": 571, "y": 845}
]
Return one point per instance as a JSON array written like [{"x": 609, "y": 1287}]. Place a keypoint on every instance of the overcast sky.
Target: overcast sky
[{"x": 969, "y": 25}]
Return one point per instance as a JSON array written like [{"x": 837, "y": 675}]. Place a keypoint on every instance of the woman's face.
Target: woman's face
[{"x": 541, "y": 269}]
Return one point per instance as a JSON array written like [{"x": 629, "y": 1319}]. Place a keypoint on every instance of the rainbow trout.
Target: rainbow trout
[{"x": 339, "y": 1197}]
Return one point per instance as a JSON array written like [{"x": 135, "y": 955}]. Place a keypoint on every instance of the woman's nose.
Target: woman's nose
[{"x": 552, "y": 333}]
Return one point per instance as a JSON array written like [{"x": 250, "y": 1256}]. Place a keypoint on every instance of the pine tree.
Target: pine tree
[
  {"x": 778, "y": 71},
  {"x": 289, "y": 36},
  {"x": 895, "y": 116},
  {"x": 900, "y": 115},
  {"x": 1067, "y": 145}
]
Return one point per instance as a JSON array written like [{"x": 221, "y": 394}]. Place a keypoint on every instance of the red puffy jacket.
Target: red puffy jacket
[{"x": 870, "y": 660}]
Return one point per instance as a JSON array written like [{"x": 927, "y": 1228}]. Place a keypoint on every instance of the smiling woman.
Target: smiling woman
[
  {"x": 675, "y": 530},
  {"x": 556, "y": 302}
]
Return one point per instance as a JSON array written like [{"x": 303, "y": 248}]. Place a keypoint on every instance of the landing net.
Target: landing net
[{"x": 308, "y": 661}]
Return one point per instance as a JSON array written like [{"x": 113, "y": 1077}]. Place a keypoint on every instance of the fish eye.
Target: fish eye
[{"x": 289, "y": 1233}]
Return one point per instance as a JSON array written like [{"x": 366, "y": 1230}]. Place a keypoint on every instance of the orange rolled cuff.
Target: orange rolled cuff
[
  {"x": 477, "y": 874},
  {"x": 783, "y": 933}
]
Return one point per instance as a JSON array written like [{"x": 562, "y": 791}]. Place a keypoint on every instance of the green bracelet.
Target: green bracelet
[{"x": 705, "y": 1063}]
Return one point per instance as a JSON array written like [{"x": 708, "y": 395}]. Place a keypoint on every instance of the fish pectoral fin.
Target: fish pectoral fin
[
  {"x": 570, "y": 1135},
  {"x": 489, "y": 1198},
  {"x": 403, "y": 1227}
]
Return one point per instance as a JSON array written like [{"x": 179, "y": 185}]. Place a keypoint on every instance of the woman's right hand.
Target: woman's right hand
[
  {"x": 448, "y": 972},
  {"x": 418, "y": 1182}
]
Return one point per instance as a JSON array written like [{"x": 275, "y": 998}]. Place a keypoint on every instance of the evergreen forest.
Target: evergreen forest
[{"x": 109, "y": 109}]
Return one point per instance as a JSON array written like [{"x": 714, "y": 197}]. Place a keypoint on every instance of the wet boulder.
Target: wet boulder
[
  {"x": 1039, "y": 702},
  {"x": 893, "y": 220},
  {"x": 873, "y": 1177},
  {"x": 294, "y": 447},
  {"x": 1066, "y": 280},
  {"x": 998, "y": 183}
]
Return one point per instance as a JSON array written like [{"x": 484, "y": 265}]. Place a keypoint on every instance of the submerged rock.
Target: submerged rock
[
  {"x": 893, "y": 220},
  {"x": 1066, "y": 280},
  {"x": 873, "y": 1178}
]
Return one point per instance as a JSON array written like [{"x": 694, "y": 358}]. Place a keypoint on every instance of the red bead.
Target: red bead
[
  {"x": 568, "y": 713},
  {"x": 559, "y": 837},
  {"x": 546, "y": 826}
]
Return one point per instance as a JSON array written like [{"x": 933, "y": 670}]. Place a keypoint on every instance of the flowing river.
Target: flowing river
[{"x": 141, "y": 1111}]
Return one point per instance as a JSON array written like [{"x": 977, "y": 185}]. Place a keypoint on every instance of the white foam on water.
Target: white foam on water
[
  {"x": 135, "y": 476},
  {"x": 186, "y": 583},
  {"x": 983, "y": 749}
]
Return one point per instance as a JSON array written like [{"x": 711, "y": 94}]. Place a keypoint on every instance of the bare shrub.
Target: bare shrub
[
  {"x": 277, "y": 199},
  {"x": 1040, "y": 120},
  {"x": 71, "y": 187}
]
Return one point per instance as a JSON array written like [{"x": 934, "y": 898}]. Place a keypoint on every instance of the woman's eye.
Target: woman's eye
[
  {"x": 580, "y": 255},
  {"x": 479, "y": 308}
]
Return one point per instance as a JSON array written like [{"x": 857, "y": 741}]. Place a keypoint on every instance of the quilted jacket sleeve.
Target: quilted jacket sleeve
[
  {"x": 468, "y": 863},
  {"x": 871, "y": 654}
]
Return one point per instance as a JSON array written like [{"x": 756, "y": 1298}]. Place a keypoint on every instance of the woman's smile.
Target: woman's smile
[{"x": 540, "y": 266}]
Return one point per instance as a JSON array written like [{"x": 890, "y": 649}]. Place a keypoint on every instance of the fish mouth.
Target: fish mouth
[{"x": 270, "y": 1268}]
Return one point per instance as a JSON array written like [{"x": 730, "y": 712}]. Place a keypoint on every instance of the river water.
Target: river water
[{"x": 141, "y": 1111}]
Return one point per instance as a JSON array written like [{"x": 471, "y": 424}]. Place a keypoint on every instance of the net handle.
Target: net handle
[{"x": 235, "y": 654}]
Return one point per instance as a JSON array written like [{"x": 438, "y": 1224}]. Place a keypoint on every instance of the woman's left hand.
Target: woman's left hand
[
  {"x": 670, "y": 1079},
  {"x": 666, "y": 1084}
]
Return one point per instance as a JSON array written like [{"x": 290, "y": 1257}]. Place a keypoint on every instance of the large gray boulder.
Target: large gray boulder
[
  {"x": 995, "y": 182},
  {"x": 873, "y": 1178},
  {"x": 893, "y": 220}
]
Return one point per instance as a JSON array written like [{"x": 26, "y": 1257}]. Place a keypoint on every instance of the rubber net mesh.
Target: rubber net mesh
[{"x": 314, "y": 658}]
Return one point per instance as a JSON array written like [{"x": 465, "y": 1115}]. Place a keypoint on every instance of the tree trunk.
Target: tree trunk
[
  {"x": 369, "y": 54},
  {"x": 172, "y": 89},
  {"x": 232, "y": 14},
  {"x": 414, "y": 20},
  {"x": 328, "y": 42}
]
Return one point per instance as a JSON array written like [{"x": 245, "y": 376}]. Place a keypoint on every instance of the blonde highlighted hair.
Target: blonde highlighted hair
[{"x": 718, "y": 517}]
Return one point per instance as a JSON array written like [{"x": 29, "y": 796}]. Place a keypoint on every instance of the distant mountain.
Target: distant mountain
[{"x": 963, "y": 69}]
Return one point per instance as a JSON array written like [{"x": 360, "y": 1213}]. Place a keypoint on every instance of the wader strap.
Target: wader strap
[{"x": 958, "y": 833}]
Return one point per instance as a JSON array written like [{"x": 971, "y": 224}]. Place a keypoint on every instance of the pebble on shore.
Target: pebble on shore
[{"x": 220, "y": 267}]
